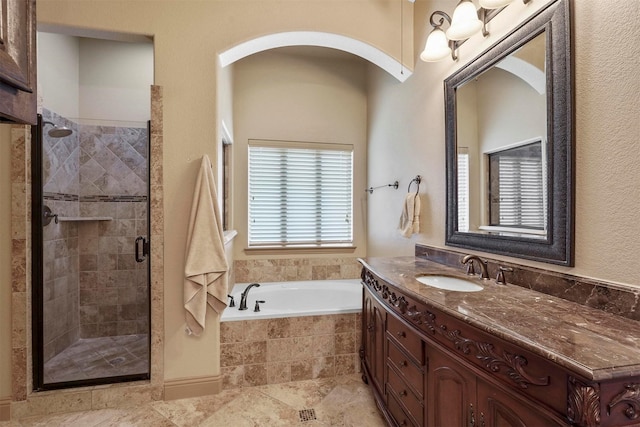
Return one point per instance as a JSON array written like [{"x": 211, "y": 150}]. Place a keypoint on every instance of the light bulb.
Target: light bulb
[
  {"x": 464, "y": 22},
  {"x": 437, "y": 46}
]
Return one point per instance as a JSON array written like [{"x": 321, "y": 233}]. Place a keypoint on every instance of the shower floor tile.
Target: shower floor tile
[{"x": 99, "y": 357}]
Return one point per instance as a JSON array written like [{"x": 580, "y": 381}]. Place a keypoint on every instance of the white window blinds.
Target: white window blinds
[
  {"x": 520, "y": 187},
  {"x": 463, "y": 189},
  {"x": 300, "y": 194}
]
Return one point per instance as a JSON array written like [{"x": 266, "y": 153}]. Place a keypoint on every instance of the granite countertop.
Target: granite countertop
[{"x": 590, "y": 342}]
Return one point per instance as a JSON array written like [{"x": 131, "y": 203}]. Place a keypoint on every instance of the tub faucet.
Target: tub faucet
[
  {"x": 243, "y": 297},
  {"x": 484, "y": 273}
]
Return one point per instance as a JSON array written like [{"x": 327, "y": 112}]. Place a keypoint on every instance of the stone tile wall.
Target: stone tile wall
[
  {"x": 271, "y": 351},
  {"x": 97, "y": 171},
  {"x": 25, "y": 403},
  {"x": 290, "y": 269},
  {"x": 60, "y": 276},
  {"x": 60, "y": 241},
  {"x": 113, "y": 286},
  {"x": 612, "y": 298}
]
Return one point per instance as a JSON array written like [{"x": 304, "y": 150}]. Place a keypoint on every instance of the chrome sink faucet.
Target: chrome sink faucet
[
  {"x": 484, "y": 273},
  {"x": 245, "y": 293}
]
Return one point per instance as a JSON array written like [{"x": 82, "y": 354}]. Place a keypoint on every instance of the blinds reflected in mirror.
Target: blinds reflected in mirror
[
  {"x": 463, "y": 189},
  {"x": 517, "y": 189}
]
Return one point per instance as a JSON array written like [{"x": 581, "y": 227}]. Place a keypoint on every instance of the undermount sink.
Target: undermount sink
[{"x": 449, "y": 283}]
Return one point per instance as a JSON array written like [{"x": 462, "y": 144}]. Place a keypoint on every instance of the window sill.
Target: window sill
[{"x": 266, "y": 250}]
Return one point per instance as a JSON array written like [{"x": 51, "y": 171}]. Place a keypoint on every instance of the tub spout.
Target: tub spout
[{"x": 243, "y": 297}]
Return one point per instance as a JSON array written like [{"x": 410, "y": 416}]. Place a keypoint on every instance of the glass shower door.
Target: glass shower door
[{"x": 91, "y": 292}]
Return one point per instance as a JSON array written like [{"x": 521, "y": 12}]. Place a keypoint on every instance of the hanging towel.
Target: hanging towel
[
  {"x": 205, "y": 269},
  {"x": 410, "y": 217}
]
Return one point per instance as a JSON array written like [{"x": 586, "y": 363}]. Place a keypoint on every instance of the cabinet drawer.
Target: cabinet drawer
[
  {"x": 405, "y": 395},
  {"x": 408, "y": 371},
  {"x": 398, "y": 414},
  {"x": 407, "y": 339}
]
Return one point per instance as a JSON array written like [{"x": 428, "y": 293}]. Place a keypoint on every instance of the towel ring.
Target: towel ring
[{"x": 417, "y": 180}]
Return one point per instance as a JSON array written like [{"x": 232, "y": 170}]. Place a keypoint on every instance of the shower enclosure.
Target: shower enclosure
[{"x": 90, "y": 269}]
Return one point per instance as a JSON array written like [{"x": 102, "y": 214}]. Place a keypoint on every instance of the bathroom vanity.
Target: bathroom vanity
[{"x": 501, "y": 356}]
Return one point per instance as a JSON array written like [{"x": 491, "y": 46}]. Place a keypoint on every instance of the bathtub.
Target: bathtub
[{"x": 293, "y": 299}]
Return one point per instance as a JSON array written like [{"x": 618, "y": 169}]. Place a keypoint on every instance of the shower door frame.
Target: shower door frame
[{"x": 37, "y": 272}]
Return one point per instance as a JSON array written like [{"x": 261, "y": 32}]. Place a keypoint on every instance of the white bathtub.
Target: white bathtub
[{"x": 293, "y": 299}]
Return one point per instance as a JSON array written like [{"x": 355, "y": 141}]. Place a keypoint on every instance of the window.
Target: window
[
  {"x": 300, "y": 194},
  {"x": 517, "y": 187},
  {"x": 463, "y": 189}
]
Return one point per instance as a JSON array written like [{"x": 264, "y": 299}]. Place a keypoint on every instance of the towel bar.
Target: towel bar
[
  {"x": 417, "y": 180},
  {"x": 370, "y": 189}
]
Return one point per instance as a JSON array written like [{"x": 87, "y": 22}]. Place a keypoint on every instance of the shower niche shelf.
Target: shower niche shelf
[{"x": 84, "y": 218}]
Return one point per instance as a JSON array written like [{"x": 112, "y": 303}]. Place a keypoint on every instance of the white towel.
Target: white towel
[
  {"x": 410, "y": 217},
  {"x": 205, "y": 269}
]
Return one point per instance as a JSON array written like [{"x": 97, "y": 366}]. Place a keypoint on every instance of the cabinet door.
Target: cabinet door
[
  {"x": 498, "y": 408},
  {"x": 451, "y": 391},
  {"x": 18, "y": 61},
  {"x": 373, "y": 337}
]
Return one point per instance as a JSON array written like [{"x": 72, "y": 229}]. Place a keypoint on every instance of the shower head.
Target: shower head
[{"x": 57, "y": 131}]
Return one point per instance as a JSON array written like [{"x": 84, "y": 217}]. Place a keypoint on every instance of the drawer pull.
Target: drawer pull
[
  {"x": 404, "y": 423},
  {"x": 401, "y": 334},
  {"x": 370, "y": 328},
  {"x": 404, "y": 364},
  {"x": 403, "y": 393}
]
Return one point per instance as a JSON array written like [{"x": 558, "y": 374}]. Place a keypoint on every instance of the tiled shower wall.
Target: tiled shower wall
[
  {"x": 93, "y": 286},
  {"x": 60, "y": 241},
  {"x": 113, "y": 286}
]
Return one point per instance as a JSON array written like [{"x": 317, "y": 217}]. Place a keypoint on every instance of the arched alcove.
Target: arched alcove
[{"x": 321, "y": 39}]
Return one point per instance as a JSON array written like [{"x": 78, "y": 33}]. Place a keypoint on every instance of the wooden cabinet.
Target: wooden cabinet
[
  {"x": 427, "y": 369},
  {"x": 373, "y": 330},
  {"x": 460, "y": 397},
  {"x": 18, "y": 61}
]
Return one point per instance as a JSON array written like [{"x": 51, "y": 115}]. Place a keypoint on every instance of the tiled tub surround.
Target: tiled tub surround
[
  {"x": 294, "y": 269},
  {"x": 271, "y": 351},
  {"x": 609, "y": 297}
]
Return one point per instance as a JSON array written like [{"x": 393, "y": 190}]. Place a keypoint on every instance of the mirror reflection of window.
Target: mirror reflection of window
[
  {"x": 517, "y": 191},
  {"x": 463, "y": 189}
]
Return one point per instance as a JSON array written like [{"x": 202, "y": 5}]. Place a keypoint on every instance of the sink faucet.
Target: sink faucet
[
  {"x": 483, "y": 264},
  {"x": 243, "y": 297}
]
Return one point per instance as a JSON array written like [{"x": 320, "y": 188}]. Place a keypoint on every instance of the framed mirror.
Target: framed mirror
[{"x": 509, "y": 137}]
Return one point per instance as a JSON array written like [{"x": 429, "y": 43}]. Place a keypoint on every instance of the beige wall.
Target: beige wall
[
  {"x": 296, "y": 97},
  {"x": 115, "y": 81},
  {"x": 607, "y": 138},
  {"x": 59, "y": 73}
]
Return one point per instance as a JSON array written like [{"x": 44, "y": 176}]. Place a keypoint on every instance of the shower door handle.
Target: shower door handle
[{"x": 142, "y": 242}]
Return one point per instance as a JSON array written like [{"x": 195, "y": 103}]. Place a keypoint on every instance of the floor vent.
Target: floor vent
[{"x": 307, "y": 415}]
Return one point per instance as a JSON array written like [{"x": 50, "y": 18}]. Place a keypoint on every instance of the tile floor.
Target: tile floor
[
  {"x": 339, "y": 401},
  {"x": 98, "y": 358}
]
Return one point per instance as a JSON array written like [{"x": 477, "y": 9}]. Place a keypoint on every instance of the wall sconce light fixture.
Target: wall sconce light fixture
[{"x": 466, "y": 21}]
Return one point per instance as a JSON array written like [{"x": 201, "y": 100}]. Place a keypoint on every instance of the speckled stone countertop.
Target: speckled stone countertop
[{"x": 592, "y": 343}]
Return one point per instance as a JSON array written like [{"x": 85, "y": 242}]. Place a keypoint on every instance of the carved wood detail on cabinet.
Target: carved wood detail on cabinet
[
  {"x": 583, "y": 403},
  {"x": 18, "y": 61},
  {"x": 629, "y": 396},
  {"x": 513, "y": 366}
]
